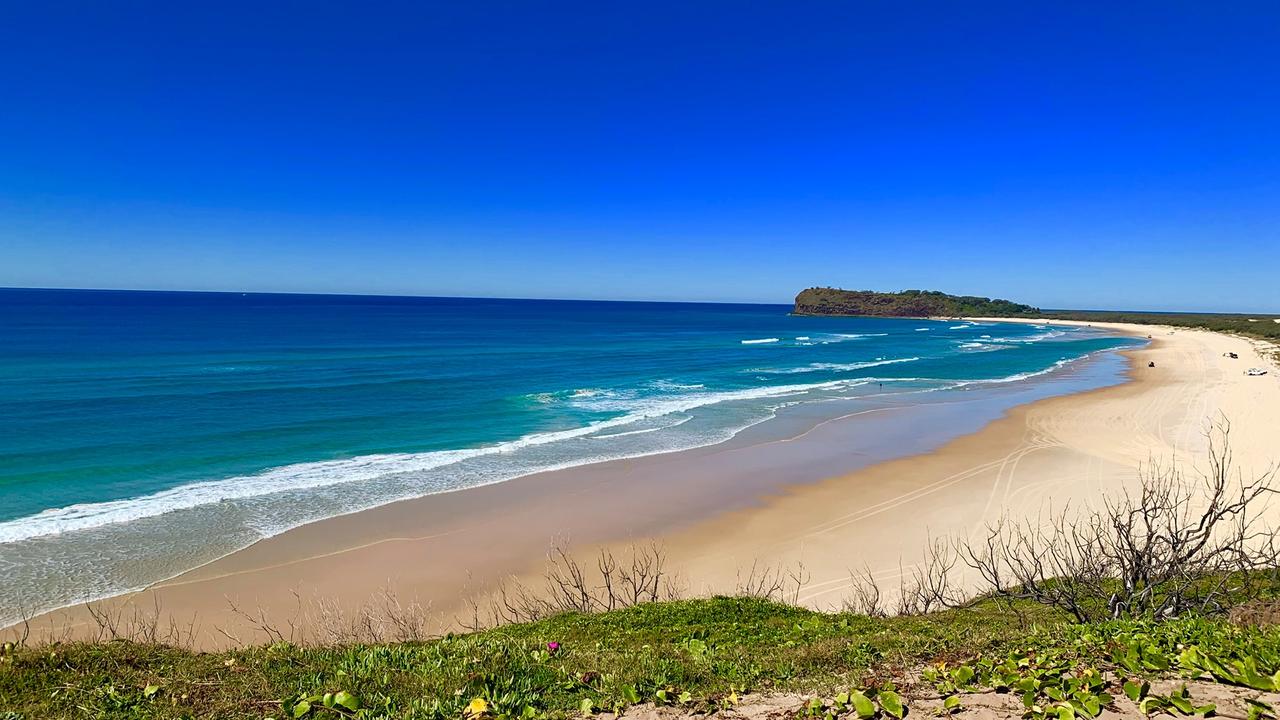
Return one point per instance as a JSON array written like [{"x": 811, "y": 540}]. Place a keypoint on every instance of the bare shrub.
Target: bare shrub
[
  {"x": 386, "y": 618},
  {"x": 929, "y": 585},
  {"x": 569, "y": 585},
  {"x": 258, "y": 619},
  {"x": 779, "y": 583},
  {"x": 1176, "y": 545},
  {"x": 131, "y": 622},
  {"x": 324, "y": 621},
  {"x": 865, "y": 597}
]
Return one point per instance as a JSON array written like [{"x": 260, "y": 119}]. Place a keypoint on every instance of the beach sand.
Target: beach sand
[
  {"x": 822, "y": 498},
  {"x": 1067, "y": 450}
]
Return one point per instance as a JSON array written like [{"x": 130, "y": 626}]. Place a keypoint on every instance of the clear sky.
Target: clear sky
[{"x": 1065, "y": 154}]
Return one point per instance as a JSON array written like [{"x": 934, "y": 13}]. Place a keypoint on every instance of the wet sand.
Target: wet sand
[{"x": 832, "y": 488}]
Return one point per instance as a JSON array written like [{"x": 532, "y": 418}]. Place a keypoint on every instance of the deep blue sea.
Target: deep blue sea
[{"x": 145, "y": 433}]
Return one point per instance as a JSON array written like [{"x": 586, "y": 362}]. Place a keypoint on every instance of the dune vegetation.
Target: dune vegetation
[{"x": 693, "y": 655}]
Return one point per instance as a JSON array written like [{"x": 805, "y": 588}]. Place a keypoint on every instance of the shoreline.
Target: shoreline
[
  {"x": 487, "y": 534},
  {"x": 1072, "y": 449}
]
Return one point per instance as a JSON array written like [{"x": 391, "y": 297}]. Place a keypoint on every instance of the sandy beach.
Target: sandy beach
[
  {"x": 820, "y": 497},
  {"x": 1073, "y": 449}
]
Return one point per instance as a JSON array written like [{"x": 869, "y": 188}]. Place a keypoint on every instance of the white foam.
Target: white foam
[
  {"x": 642, "y": 431},
  {"x": 627, "y": 432},
  {"x": 311, "y": 475},
  {"x": 1020, "y": 376},
  {"x": 831, "y": 367},
  {"x": 673, "y": 385},
  {"x": 1030, "y": 338},
  {"x": 923, "y": 329},
  {"x": 759, "y": 342},
  {"x": 300, "y": 476},
  {"x": 960, "y": 327},
  {"x": 802, "y": 337},
  {"x": 980, "y": 346},
  {"x": 844, "y": 337}
]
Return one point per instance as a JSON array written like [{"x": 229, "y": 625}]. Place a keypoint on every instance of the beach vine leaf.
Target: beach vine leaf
[
  {"x": 862, "y": 705},
  {"x": 346, "y": 700},
  {"x": 892, "y": 703}
]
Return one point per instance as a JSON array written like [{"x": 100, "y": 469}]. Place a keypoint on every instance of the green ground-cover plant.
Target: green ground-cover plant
[
  {"x": 1074, "y": 670},
  {"x": 699, "y": 655}
]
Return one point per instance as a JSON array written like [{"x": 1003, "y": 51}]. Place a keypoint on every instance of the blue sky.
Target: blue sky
[{"x": 1110, "y": 155}]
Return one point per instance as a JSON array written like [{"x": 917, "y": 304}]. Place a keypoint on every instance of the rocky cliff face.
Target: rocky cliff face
[{"x": 909, "y": 303}]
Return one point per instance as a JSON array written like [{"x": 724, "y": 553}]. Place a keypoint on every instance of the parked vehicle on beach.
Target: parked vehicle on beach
[{"x": 1255, "y": 372}]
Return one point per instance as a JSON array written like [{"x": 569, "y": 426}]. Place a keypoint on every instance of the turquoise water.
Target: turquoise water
[{"x": 142, "y": 434}]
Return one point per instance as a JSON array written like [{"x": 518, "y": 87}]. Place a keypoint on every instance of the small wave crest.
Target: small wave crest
[
  {"x": 845, "y": 337},
  {"x": 642, "y": 431},
  {"x": 1030, "y": 338},
  {"x": 981, "y": 347},
  {"x": 1019, "y": 376},
  {"x": 760, "y": 341},
  {"x": 672, "y": 385},
  {"x": 830, "y": 367}
]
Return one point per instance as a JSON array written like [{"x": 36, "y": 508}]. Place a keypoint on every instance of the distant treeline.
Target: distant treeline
[
  {"x": 931, "y": 303},
  {"x": 1261, "y": 326}
]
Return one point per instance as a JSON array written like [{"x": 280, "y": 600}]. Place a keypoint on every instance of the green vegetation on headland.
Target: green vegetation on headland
[
  {"x": 929, "y": 303},
  {"x": 908, "y": 303}
]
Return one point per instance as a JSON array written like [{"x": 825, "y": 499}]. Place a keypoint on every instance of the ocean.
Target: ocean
[{"x": 145, "y": 433}]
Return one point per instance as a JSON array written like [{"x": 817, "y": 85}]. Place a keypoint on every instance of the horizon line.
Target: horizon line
[
  {"x": 391, "y": 295},
  {"x": 552, "y": 299}
]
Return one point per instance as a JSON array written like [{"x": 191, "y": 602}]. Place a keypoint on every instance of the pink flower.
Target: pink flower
[{"x": 553, "y": 647}]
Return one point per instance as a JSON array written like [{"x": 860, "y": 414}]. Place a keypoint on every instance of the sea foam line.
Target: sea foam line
[
  {"x": 642, "y": 431},
  {"x": 831, "y": 367},
  {"x": 844, "y": 337},
  {"x": 1030, "y": 338},
  {"x": 1022, "y": 376},
  {"x": 311, "y": 475}
]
